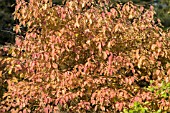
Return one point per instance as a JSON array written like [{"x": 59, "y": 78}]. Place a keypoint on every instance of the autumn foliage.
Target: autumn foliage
[{"x": 86, "y": 56}]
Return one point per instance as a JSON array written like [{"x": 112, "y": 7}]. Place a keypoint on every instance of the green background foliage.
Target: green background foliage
[{"x": 6, "y": 21}]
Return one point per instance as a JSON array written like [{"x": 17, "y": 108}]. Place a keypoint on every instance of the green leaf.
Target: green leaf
[{"x": 159, "y": 111}]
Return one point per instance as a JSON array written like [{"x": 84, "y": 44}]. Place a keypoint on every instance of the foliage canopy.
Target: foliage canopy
[{"x": 86, "y": 56}]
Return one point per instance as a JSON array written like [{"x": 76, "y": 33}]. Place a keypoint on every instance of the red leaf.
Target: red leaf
[
  {"x": 46, "y": 110},
  {"x": 39, "y": 80},
  {"x": 5, "y": 49},
  {"x": 45, "y": 1},
  {"x": 63, "y": 15},
  {"x": 101, "y": 101},
  {"x": 151, "y": 7},
  {"x": 46, "y": 100},
  {"x": 159, "y": 44},
  {"x": 17, "y": 6},
  {"x": 17, "y": 41},
  {"x": 77, "y": 23},
  {"x": 111, "y": 72},
  {"x": 137, "y": 99},
  {"x": 119, "y": 105},
  {"x": 104, "y": 55},
  {"x": 31, "y": 1},
  {"x": 109, "y": 14},
  {"x": 32, "y": 64},
  {"x": 110, "y": 59},
  {"x": 103, "y": 14},
  {"x": 52, "y": 76},
  {"x": 141, "y": 8},
  {"x": 66, "y": 98},
  {"x": 93, "y": 101},
  {"x": 33, "y": 35},
  {"x": 131, "y": 80},
  {"x": 52, "y": 46},
  {"x": 168, "y": 72},
  {"x": 62, "y": 101},
  {"x": 46, "y": 57},
  {"x": 157, "y": 72},
  {"x": 56, "y": 101},
  {"x": 85, "y": 69},
  {"x": 24, "y": 111}
]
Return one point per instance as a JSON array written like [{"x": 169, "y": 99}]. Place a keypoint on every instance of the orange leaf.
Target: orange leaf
[
  {"x": 104, "y": 55},
  {"x": 158, "y": 72},
  {"x": 48, "y": 65},
  {"x": 95, "y": 109},
  {"x": 54, "y": 65},
  {"x": 17, "y": 29},
  {"x": 0, "y": 73},
  {"x": 102, "y": 108}
]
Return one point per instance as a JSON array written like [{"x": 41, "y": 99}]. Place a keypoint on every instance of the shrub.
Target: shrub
[{"x": 87, "y": 56}]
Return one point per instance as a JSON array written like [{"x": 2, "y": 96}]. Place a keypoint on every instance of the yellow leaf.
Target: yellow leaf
[
  {"x": 45, "y": 7},
  {"x": 22, "y": 75},
  {"x": 88, "y": 42},
  {"x": 10, "y": 72},
  {"x": 76, "y": 35},
  {"x": 130, "y": 16},
  {"x": 140, "y": 61},
  {"x": 14, "y": 79},
  {"x": 104, "y": 55}
]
